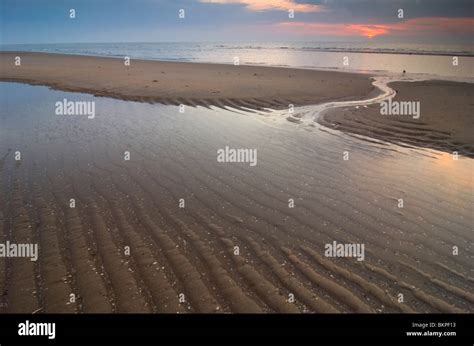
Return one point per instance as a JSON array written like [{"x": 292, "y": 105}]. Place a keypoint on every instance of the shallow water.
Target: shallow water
[
  {"x": 173, "y": 156},
  {"x": 368, "y": 56}
]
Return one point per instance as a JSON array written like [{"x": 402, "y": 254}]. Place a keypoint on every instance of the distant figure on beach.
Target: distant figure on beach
[{"x": 404, "y": 71}]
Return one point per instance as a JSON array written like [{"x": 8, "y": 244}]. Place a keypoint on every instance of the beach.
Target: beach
[
  {"x": 173, "y": 229},
  {"x": 445, "y": 121},
  {"x": 185, "y": 83},
  {"x": 260, "y": 87}
]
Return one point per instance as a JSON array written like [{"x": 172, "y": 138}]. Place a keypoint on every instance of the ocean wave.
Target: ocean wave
[{"x": 343, "y": 49}]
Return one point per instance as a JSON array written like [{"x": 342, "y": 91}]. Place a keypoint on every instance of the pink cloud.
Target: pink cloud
[
  {"x": 426, "y": 25},
  {"x": 262, "y": 5}
]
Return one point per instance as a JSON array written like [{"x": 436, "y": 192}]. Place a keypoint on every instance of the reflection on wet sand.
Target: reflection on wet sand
[{"x": 236, "y": 245}]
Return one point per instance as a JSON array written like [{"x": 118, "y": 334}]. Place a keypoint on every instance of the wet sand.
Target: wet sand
[
  {"x": 191, "y": 250},
  {"x": 446, "y": 118},
  {"x": 184, "y": 83}
]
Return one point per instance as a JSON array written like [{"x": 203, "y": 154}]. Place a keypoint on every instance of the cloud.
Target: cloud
[
  {"x": 453, "y": 25},
  {"x": 335, "y": 29},
  {"x": 263, "y": 5},
  {"x": 414, "y": 26}
]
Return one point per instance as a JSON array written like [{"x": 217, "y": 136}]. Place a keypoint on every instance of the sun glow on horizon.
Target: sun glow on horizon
[
  {"x": 428, "y": 25},
  {"x": 369, "y": 31}
]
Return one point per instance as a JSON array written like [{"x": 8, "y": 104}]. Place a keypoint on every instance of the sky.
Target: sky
[{"x": 423, "y": 21}]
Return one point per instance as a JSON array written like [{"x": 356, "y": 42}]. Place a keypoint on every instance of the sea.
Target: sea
[{"x": 439, "y": 61}]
